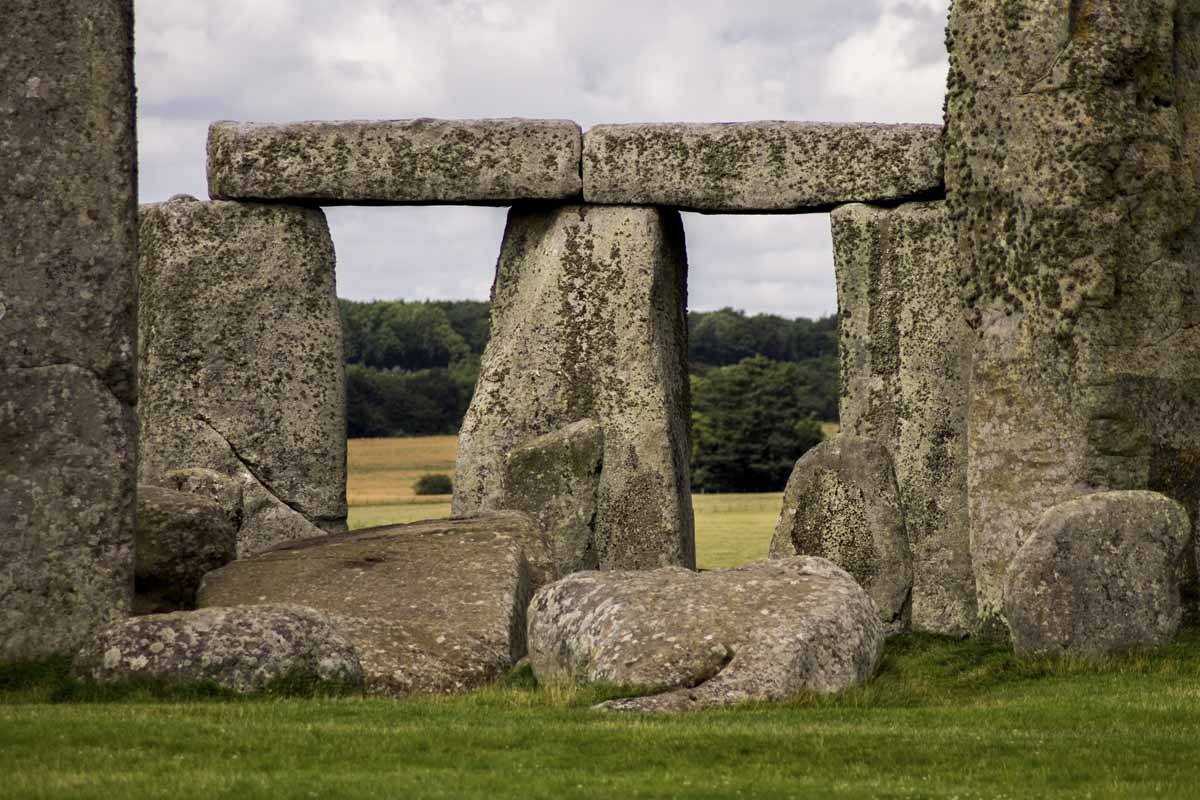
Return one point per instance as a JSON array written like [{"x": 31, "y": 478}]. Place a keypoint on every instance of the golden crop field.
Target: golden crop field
[{"x": 731, "y": 529}]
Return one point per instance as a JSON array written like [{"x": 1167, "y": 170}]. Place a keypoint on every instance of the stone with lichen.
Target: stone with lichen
[
  {"x": 757, "y": 632},
  {"x": 432, "y": 607},
  {"x": 180, "y": 537},
  {"x": 241, "y": 361},
  {"x": 588, "y": 321}
]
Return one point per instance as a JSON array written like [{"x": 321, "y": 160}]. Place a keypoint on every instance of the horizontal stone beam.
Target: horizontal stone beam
[
  {"x": 763, "y": 167},
  {"x": 399, "y": 162}
]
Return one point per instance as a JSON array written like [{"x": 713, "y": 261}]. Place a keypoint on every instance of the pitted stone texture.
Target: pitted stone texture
[
  {"x": 241, "y": 649},
  {"x": 432, "y": 607},
  {"x": 221, "y": 489},
  {"x": 760, "y": 166},
  {"x": 555, "y": 479},
  {"x": 68, "y": 305},
  {"x": 241, "y": 361},
  {"x": 1099, "y": 576},
  {"x": 906, "y": 366},
  {"x": 842, "y": 504},
  {"x": 180, "y": 536},
  {"x": 758, "y": 632},
  {"x": 66, "y": 510},
  {"x": 1073, "y": 135},
  {"x": 473, "y": 162},
  {"x": 588, "y": 322}
]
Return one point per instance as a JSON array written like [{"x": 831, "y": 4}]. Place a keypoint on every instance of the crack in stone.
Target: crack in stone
[{"x": 251, "y": 467}]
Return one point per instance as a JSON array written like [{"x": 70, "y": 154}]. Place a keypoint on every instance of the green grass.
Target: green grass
[{"x": 944, "y": 719}]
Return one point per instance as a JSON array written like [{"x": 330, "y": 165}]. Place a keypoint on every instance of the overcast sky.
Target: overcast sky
[{"x": 591, "y": 61}]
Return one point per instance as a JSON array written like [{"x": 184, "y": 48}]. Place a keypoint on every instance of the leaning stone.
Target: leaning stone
[
  {"x": 241, "y": 649},
  {"x": 842, "y": 504},
  {"x": 180, "y": 537},
  {"x": 241, "y": 361},
  {"x": 1099, "y": 576},
  {"x": 555, "y": 479},
  {"x": 475, "y": 162},
  {"x": 221, "y": 489},
  {"x": 760, "y": 166},
  {"x": 906, "y": 367},
  {"x": 68, "y": 306},
  {"x": 588, "y": 321},
  {"x": 432, "y": 607},
  {"x": 758, "y": 632}
]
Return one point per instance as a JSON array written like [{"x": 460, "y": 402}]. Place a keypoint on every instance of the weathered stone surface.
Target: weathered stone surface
[
  {"x": 555, "y": 479},
  {"x": 905, "y": 367},
  {"x": 474, "y": 162},
  {"x": 1099, "y": 576},
  {"x": 180, "y": 537},
  {"x": 758, "y": 632},
  {"x": 431, "y": 607},
  {"x": 588, "y": 321},
  {"x": 241, "y": 361},
  {"x": 842, "y": 504},
  {"x": 68, "y": 300},
  {"x": 760, "y": 166},
  {"x": 242, "y": 649},
  {"x": 221, "y": 489},
  {"x": 1073, "y": 131}
]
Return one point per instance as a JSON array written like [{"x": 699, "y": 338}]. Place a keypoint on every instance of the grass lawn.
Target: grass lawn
[{"x": 944, "y": 719}]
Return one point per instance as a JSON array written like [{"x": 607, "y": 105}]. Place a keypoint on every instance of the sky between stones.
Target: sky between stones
[{"x": 593, "y": 62}]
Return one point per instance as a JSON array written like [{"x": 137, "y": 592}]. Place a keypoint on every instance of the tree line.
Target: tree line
[{"x": 761, "y": 384}]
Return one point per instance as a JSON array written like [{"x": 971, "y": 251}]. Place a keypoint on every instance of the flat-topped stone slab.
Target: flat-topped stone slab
[
  {"x": 752, "y": 167},
  {"x": 396, "y": 162}
]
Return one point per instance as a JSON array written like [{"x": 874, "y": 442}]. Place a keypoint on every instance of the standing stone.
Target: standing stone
[
  {"x": 68, "y": 303},
  {"x": 588, "y": 321},
  {"x": 1099, "y": 576},
  {"x": 842, "y": 504},
  {"x": 241, "y": 361},
  {"x": 555, "y": 479},
  {"x": 1073, "y": 135},
  {"x": 906, "y": 365}
]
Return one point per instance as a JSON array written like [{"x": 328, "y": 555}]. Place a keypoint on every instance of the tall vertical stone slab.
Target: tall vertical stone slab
[
  {"x": 241, "y": 361},
  {"x": 588, "y": 321},
  {"x": 1071, "y": 173},
  {"x": 68, "y": 299},
  {"x": 905, "y": 353}
]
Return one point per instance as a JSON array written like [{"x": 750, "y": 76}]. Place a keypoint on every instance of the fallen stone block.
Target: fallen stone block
[
  {"x": 1099, "y": 576},
  {"x": 589, "y": 322},
  {"x": 221, "y": 489},
  {"x": 760, "y": 166},
  {"x": 432, "y": 607},
  {"x": 758, "y": 632},
  {"x": 241, "y": 361},
  {"x": 555, "y": 479},
  {"x": 417, "y": 161},
  {"x": 842, "y": 504},
  {"x": 241, "y": 649},
  {"x": 180, "y": 537}
]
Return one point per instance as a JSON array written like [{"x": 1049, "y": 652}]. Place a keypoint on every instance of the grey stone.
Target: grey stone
[
  {"x": 588, "y": 321},
  {"x": 241, "y": 649},
  {"x": 68, "y": 304},
  {"x": 758, "y": 632},
  {"x": 221, "y": 489},
  {"x": 842, "y": 504},
  {"x": 180, "y": 536},
  {"x": 432, "y": 607},
  {"x": 1073, "y": 148},
  {"x": 555, "y": 479},
  {"x": 905, "y": 369},
  {"x": 1099, "y": 576},
  {"x": 241, "y": 361},
  {"x": 760, "y": 166},
  {"x": 474, "y": 162}
]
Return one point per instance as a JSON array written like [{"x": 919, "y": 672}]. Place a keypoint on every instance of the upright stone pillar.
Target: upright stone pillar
[
  {"x": 588, "y": 321},
  {"x": 1071, "y": 170},
  {"x": 906, "y": 360},
  {"x": 68, "y": 300},
  {"x": 242, "y": 362}
]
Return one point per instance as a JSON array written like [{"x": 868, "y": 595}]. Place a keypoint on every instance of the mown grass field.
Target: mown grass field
[{"x": 731, "y": 529}]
